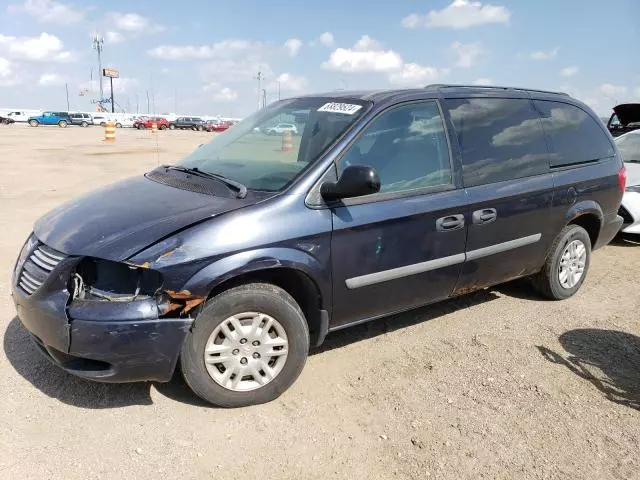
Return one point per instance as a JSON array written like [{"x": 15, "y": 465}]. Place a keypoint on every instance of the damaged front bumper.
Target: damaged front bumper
[{"x": 128, "y": 340}]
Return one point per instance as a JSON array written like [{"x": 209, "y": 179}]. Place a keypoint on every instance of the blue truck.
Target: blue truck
[{"x": 50, "y": 118}]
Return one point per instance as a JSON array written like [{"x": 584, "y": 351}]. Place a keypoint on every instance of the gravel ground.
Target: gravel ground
[{"x": 496, "y": 384}]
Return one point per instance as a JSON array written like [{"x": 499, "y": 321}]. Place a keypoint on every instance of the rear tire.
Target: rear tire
[
  {"x": 62, "y": 124},
  {"x": 562, "y": 274},
  {"x": 172, "y": 127},
  {"x": 140, "y": 127},
  {"x": 84, "y": 124},
  {"x": 259, "y": 300},
  {"x": 34, "y": 123},
  {"x": 163, "y": 127},
  {"x": 118, "y": 125}
]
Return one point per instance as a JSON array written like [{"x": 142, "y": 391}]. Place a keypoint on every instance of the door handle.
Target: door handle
[
  {"x": 486, "y": 215},
  {"x": 450, "y": 223}
]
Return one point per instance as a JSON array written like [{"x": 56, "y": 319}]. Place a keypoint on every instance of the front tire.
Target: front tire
[
  {"x": 84, "y": 124},
  {"x": 247, "y": 346},
  {"x": 140, "y": 127},
  {"x": 163, "y": 127},
  {"x": 566, "y": 266},
  {"x": 62, "y": 124},
  {"x": 118, "y": 125},
  {"x": 34, "y": 123},
  {"x": 172, "y": 127}
]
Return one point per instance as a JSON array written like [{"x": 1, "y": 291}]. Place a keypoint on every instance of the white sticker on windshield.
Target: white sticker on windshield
[{"x": 335, "y": 107}]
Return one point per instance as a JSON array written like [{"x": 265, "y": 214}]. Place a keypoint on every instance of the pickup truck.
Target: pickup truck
[
  {"x": 190, "y": 123},
  {"x": 143, "y": 123},
  {"x": 51, "y": 118}
]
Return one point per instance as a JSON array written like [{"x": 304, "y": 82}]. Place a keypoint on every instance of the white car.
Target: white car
[
  {"x": 629, "y": 146},
  {"x": 18, "y": 116},
  {"x": 281, "y": 128}
]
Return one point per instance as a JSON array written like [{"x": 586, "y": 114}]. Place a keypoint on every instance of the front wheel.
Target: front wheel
[
  {"x": 84, "y": 124},
  {"x": 163, "y": 127},
  {"x": 140, "y": 127},
  {"x": 567, "y": 264},
  {"x": 246, "y": 347},
  {"x": 118, "y": 125},
  {"x": 33, "y": 123},
  {"x": 172, "y": 127}
]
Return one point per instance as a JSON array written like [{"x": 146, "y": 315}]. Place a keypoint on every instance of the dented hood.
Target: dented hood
[{"x": 119, "y": 220}]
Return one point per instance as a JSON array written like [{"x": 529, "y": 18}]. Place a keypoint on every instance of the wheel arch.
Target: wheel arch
[{"x": 589, "y": 216}]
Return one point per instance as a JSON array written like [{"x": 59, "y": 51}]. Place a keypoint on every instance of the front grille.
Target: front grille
[
  {"x": 627, "y": 219},
  {"x": 37, "y": 267}
]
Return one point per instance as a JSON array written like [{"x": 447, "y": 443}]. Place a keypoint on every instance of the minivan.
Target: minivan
[{"x": 236, "y": 261}]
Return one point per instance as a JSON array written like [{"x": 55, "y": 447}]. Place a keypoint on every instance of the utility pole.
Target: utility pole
[
  {"x": 66, "y": 87},
  {"x": 148, "y": 111},
  {"x": 264, "y": 98},
  {"x": 278, "y": 83},
  {"x": 175, "y": 99},
  {"x": 98, "y": 45},
  {"x": 260, "y": 78},
  {"x": 111, "y": 80}
]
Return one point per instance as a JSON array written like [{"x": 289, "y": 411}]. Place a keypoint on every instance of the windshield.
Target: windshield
[
  {"x": 257, "y": 153},
  {"x": 629, "y": 146}
]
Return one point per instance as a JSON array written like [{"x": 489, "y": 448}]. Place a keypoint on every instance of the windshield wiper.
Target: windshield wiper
[{"x": 237, "y": 186}]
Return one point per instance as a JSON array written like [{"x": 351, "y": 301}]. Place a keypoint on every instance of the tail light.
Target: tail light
[{"x": 622, "y": 178}]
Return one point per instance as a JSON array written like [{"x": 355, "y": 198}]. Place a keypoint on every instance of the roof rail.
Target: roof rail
[{"x": 437, "y": 86}]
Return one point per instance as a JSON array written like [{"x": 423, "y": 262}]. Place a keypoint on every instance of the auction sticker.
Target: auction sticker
[{"x": 336, "y": 107}]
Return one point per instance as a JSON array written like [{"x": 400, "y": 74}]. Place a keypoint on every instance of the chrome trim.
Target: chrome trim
[
  {"x": 413, "y": 269},
  {"x": 45, "y": 258},
  {"x": 503, "y": 247}
]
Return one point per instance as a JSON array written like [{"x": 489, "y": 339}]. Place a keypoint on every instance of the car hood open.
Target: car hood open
[
  {"x": 119, "y": 220},
  {"x": 627, "y": 113}
]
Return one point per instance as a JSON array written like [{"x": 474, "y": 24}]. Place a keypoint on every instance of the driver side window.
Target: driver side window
[{"x": 407, "y": 146}]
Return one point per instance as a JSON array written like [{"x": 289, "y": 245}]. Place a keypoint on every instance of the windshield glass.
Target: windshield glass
[
  {"x": 269, "y": 149},
  {"x": 629, "y": 146}
]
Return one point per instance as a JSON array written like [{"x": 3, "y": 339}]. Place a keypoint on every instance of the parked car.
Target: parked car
[
  {"x": 629, "y": 146},
  {"x": 187, "y": 123},
  {"x": 625, "y": 118},
  {"x": 235, "y": 262},
  {"x": 143, "y": 123},
  {"x": 217, "y": 126},
  {"x": 102, "y": 120},
  {"x": 281, "y": 128},
  {"x": 50, "y": 118},
  {"x": 6, "y": 121},
  {"x": 18, "y": 116},
  {"x": 81, "y": 119}
]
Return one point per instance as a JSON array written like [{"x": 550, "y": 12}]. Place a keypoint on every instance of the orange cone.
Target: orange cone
[
  {"x": 287, "y": 141},
  {"x": 109, "y": 132}
]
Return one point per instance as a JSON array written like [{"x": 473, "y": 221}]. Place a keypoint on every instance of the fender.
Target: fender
[
  {"x": 249, "y": 261},
  {"x": 582, "y": 208}
]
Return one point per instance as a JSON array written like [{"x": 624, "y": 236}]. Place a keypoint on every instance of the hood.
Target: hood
[
  {"x": 627, "y": 113},
  {"x": 119, "y": 220},
  {"x": 633, "y": 173}
]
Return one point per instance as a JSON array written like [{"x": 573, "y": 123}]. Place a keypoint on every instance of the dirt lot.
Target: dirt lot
[{"x": 497, "y": 384}]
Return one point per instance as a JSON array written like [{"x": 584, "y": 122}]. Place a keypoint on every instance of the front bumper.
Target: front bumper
[{"x": 631, "y": 206}]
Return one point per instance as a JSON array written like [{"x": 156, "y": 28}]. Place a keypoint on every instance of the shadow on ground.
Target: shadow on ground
[
  {"x": 608, "y": 359},
  {"x": 53, "y": 382}
]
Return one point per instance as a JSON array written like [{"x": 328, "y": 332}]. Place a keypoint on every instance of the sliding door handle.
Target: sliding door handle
[{"x": 450, "y": 223}]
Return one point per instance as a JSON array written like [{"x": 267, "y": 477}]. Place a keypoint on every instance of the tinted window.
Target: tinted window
[
  {"x": 574, "y": 136},
  {"x": 407, "y": 146},
  {"x": 501, "y": 139}
]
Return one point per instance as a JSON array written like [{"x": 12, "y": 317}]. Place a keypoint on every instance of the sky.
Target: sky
[{"x": 202, "y": 57}]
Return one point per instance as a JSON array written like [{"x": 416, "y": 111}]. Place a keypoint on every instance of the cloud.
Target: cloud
[
  {"x": 326, "y": 39},
  {"x": 289, "y": 83},
  {"x": 44, "y": 48},
  {"x": 133, "y": 23},
  {"x": 223, "y": 49},
  {"x": 542, "y": 55},
  {"x": 483, "y": 81},
  {"x": 51, "y": 80},
  {"x": 569, "y": 71},
  {"x": 120, "y": 86},
  {"x": 467, "y": 53},
  {"x": 613, "y": 91},
  {"x": 225, "y": 95},
  {"x": 293, "y": 46},
  {"x": 7, "y": 75},
  {"x": 236, "y": 70},
  {"x": 49, "y": 11},
  {"x": 414, "y": 75},
  {"x": 113, "y": 37},
  {"x": 365, "y": 56},
  {"x": 459, "y": 14}
]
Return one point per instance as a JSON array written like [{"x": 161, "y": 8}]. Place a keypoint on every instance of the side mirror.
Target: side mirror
[{"x": 355, "y": 181}]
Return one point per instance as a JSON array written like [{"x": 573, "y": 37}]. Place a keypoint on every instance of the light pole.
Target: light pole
[
  {"x": 260, "y": 78},
  {"x": 98, "y": 44}
]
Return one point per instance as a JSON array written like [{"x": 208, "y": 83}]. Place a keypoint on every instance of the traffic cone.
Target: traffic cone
[
  {"x": 287, "y": 141},
  {"x": 154, "y": 127},
  {"x": 109, "y": 132}
]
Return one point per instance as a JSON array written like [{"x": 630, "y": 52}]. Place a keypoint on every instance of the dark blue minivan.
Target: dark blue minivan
[{"x": 238, "y": 259}]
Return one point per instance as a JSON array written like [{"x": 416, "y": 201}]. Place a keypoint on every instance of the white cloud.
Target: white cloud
[
  {"x": 414, "y": 75},
  {"x": 366, "y": 55},
  {"x": 222, "y": 49},
  {"x": 133, "y": 23},
  {"x": 467, "y": 53},
  {"x": 112, "y": 37},
  {"x": 225, "y": 95},
  {"x": 483, "y": 81},
  {"x": 293, "y": 46},
  {"x": 569, "y": 71},
  {"x": 49, "y": 11},
  {"x": 326, "y": 39},
  {"x": 613, "y": 91},
  {"x": 7, "y": 75},
  {"x": 289, "y": 83},
  {"x": 44, "y": 48},
  {"x": 542, "y": 55},
  {"x": 459, "y": 14},
  {"x": 51, "y": 80}
]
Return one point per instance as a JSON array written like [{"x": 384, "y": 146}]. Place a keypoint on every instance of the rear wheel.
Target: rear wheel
[
  {"x": 172, "y": 127},
  {"x": 567, "y": 264},
  {"x": 163, "y": 127},
  {"x": 140, "y": 127},
  {"x": 118, "y": 125},
  {"x": 84, "y": 124},
  {"x": 34, "y": 123},
  {"x": 247, "y": 346},
  {"x": 62, "y": 123}
]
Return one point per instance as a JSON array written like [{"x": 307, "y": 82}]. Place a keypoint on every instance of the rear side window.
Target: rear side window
[
  {"x": 574, "y": 136},
  {"x": 501, "y": 139}
]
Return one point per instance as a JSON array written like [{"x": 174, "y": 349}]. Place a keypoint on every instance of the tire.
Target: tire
[
  {"x": 162, "y": 127},
  {"x": 84, "y": 124},
  {"x": 34, "y": 123},
  {"x": 548, "y": 281},
  {"x": 62, "y": 124},
  {"x": 172, "y": 126},
  {"x": 118, "y": 125},
  {"x": 140, "y": 127},
  {"x": 257, "y": 299},
  {"x": 103, "y": 124},
  {"x": 199, "y": 128}
]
